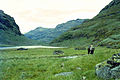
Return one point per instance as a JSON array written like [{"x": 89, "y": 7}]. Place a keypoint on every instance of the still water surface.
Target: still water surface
[{"x": 15, "y": 47}]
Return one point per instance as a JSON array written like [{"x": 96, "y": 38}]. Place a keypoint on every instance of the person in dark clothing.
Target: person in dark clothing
[{"x": 91, "y": 49}]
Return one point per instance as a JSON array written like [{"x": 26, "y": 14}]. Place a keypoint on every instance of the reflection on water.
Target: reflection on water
[{"x": 1, "y": 48}]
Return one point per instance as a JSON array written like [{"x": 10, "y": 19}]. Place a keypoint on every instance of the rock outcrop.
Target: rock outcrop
[
  {"x": 7, "y": 23},
  {"x": 109, "y": 69}
]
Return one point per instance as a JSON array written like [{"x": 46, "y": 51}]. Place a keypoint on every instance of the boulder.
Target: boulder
[
  {"x": 109, "y": 69},
  {"x": 57, "y": 52},
  {"x": 22, "y": 49}
]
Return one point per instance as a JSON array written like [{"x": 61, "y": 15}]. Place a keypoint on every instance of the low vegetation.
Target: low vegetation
[{"x": 41, "y": 64}]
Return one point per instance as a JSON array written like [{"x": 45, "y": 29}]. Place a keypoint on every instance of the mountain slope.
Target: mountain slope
[
  {"x": 103, "y": 29},
  {"x": 40, "y": 33},
  {"x": 10, "y": 33},
  {"x": 48, "y": 34}
]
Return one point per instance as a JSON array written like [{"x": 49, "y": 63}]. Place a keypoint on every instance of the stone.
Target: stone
[
  {"x": 115, "y": 72},
  {"x": 64, "y": 74},
  {"x": 109, "y": 69},
  {"x": 104, "y": 72},
  {"x": 118, "y": 54},
  {"x": 84, "y": 78},
  {"x": 22, "y": 49},
  {"x": 58, "y": 52}
]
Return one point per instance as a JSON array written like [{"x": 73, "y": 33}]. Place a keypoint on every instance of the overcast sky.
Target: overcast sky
[{"x": 30, "y": 14}]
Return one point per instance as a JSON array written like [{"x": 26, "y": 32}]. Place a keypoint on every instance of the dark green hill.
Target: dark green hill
[
  {"x": 10, "y": 33},
  {"x": 48, "y": 34},
  {"x": 103, "y": 29},
  {"x": 41, "y": 34}
]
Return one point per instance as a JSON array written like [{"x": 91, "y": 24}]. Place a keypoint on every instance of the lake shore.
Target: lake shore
[{"x": 15, "y": 47}]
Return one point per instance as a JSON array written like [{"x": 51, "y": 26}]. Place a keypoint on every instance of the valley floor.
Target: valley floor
[{"x": 41, "y": 64}]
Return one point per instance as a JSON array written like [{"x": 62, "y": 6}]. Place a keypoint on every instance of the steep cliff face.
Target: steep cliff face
[
  {"x": 9, "y": 31},
  {"x": 103, "y": 29},
  {"x": 7, "y": 23},
  {"x": 48, "y": 34}
]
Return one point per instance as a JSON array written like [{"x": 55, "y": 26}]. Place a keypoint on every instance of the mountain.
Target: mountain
[
  {"x": 102, "y": 30},
  {"x": 9, "y": 31},
  {"x": 42, "y": 34},
  {"x": 48, "y": 34}
]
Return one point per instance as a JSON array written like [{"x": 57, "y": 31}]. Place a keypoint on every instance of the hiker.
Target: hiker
[
  {"x": 88, "y": 49},
  {"x": 91, "y": 49}
]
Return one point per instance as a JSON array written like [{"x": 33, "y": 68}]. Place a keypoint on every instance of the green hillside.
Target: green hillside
[
  {"x": 10, "y": 33},
  {"x": 103, "y": 30},
  {"x": 48, "y": 34},
  {"x": 41, "y": 64}
]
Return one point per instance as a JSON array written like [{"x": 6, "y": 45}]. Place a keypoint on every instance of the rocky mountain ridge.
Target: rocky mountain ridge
[{"x": 48, "y": 34}]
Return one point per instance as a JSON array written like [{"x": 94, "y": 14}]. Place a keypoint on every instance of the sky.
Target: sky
[{"x": 30, "y": 14}]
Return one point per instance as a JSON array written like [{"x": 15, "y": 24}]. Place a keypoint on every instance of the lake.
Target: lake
[{"x": 15, "y": 47}]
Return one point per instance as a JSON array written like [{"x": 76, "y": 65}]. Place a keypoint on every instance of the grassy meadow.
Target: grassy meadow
[{"x": 41, "y": 64}]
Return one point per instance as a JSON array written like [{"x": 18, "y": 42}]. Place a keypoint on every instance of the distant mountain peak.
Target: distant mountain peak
[{"x": 72, "y": 22}]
